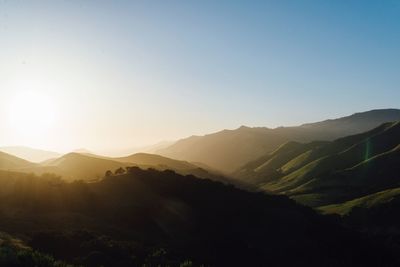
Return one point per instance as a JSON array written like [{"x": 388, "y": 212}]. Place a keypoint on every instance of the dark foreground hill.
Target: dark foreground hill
[
  {"x": 165, "y": 219},
  {"x": 15, "y": 253},
  {"x": 228, "y": 150}
]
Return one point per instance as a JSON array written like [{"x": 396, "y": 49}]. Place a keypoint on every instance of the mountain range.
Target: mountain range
[
  {"x": 350, "y": 170},
  {"x": 304, "y": 191},
  {"x": 229, "y": 150},
  {"x": 89, "y": 167},
  {"x": 10, "y": 162},
  {"x": 30, "y": 154}
]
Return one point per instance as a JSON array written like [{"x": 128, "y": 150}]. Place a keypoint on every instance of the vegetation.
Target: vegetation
[
  {"x": 148, "y": 210},
  {"x": 89, "y": 167},
  {"x": 367, "y": 202},
  {"x": 13, "y": 253},
  {"x": 148, "y": 217},
  {"x": 327, "y": 173}
]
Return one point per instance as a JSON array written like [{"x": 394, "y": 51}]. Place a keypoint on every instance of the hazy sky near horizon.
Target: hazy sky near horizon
[{"x": 120, "y": 74}]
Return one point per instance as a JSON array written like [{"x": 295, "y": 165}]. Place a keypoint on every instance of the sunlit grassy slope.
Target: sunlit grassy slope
[
  {"x": 322, "y": 173},
  {"x": 369, "y": 201}
]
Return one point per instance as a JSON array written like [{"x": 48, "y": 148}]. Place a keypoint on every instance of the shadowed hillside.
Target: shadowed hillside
[
  {"x": 230, "y": 149},
  {"x": 162, "y": 218},
  {"x": 15, "y": 253},
  {"x": 370, "y": 201}
]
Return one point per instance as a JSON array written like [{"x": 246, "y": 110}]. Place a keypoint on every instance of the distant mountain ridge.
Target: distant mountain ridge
[
  {"x": 228, "y": 150},
  {"x": 30, "y": 154},
  {"x": 89, "y": 167},
  {"x": 10, "y": 162}
]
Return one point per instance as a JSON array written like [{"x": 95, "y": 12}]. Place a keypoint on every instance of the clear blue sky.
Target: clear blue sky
[{"x": 156, "y": 70}]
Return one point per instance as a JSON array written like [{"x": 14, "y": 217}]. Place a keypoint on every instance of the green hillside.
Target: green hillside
[
  {"x": 323, "y": 173},
  {"x": 369, "y": 201},
  {"x": 375, "y": 174},
  {"x": 268, "y": 167}
]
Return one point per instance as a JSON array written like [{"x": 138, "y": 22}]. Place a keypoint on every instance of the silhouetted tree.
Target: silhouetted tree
[
  {"x": 108, "y": 173},
  {"x": 120, "y": 170},
  {"x": 132, "y": 169}
]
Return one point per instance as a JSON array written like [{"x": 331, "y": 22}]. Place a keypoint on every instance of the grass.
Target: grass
[
  {"x": 14, "y": 253},
  {"x": 362, "y": 202}
]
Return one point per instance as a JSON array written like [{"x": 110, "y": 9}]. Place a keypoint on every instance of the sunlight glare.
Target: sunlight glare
[{"x": 31, "y": 112}]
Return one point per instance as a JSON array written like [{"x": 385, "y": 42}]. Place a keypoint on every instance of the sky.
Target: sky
[{"x": 109, "y": 75}]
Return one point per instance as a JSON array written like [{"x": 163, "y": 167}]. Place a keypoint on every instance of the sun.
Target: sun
[{"x": 31, "y": 113}]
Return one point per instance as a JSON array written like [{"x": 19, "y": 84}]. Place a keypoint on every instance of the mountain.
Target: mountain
[
  {"x": 89, "y": 167},
  {"x": 30, "y": 154},
  {"x": 155, "y": 218},
  {"x": 10, "y": 162},
  {"x": 228, "y": 150},
  {"x": 82, "y": 151},
  {"x": 156, "y": 160},
  {"x": 161, "y": 163},
  {"x": 145, "y": 161},
  {"x": 225, "y": 150},
  {"x": 356, "y": 123},
  {"x": 324, "y": 173},
  {"x": 376, "y": 214},
  {"x": 375, "y": 200},
  {"x": 76, "y": 166},
  {"x": 153, "y": 148},
  {"x": 116, "y": 152},
  {"x": 267, "y": 167}
]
